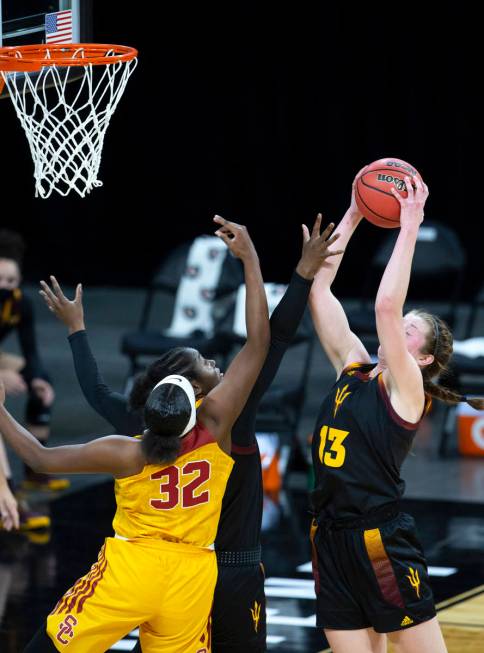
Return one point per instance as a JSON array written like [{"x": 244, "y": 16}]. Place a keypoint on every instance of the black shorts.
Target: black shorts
[
  {"x": 371, "y": 576},
  {"x": 239, "y": 610}
]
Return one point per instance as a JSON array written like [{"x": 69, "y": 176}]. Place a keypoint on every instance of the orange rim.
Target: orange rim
[{"x": 29, "y": 58}]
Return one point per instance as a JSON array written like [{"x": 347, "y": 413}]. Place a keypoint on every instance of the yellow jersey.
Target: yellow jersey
[{"x": 177, "y": 502}]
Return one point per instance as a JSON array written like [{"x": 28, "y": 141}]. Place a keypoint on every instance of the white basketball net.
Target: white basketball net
[{"x": 65, "y": 112}]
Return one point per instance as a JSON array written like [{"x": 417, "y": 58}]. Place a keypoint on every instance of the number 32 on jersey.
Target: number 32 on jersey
[
  {"x": 331, "y": 450},
  {"x": 175, "y": 489}
]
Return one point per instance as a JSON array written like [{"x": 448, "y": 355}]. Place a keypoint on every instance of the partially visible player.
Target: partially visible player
[
  {"x": 8, "y": 505},
  {"x": 159, "y": 571},
  {"x": 24, "y": 374}
]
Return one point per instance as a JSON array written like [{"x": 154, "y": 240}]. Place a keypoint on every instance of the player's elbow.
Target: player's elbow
[
  {"x": 386, "y": 305},
  {"x": 38, "y": 460}
]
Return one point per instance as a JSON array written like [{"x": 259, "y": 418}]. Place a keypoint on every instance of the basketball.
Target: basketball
[{"x": 373, "y": 190}]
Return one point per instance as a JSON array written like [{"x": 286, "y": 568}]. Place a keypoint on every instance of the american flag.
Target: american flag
[{"x": 58, "y": 27}]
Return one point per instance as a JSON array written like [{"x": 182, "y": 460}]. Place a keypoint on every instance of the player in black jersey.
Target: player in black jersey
[
  {"x": 238, "y": 616},
  {"x": 370, "y": 572}
]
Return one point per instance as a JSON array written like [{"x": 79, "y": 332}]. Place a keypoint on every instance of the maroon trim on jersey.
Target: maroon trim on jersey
[
  {"x": 353, "y": 369},
  {"x": 244, "y": 451},
  {"x": 198, "y": 437},
  {"x": 410, "y": 426}
]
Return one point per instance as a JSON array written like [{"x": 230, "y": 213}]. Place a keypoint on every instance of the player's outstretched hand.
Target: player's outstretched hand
[
  {"x": 70, "y": 312},
  {"x": 316, "y": 248},
  {"x": 236, "y": 237}
]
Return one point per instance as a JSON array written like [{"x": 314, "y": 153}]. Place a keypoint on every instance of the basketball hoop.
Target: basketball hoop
[{"x": 65, "y": 122}]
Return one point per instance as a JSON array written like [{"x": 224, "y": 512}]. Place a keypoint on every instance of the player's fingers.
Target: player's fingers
[
  {"x": 223, "y": 236},
  {"x": 396, "y": 195},
  {"x": 327, "y": 232},
  {"x": 316, "y": 226},
  {"x": 417, "y": 183},
  {"x": 219, "y": 220},
  {"x": 335, "y": 253},
  {"x": 57, "y": 289},
  {"x": 227, "y": 223},
  {"x": 333, "y": 239},
  {"x": 305, "y": 232},
  {"x": 410, "y": 187},
  {"x": 47, "y": 292},
  {"x": 9, "y": 513},
  {"x": 50, "y": 304},
  {"x": 78, "y": 297}
]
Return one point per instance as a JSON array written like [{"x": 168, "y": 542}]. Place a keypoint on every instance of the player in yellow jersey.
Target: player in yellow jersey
[{"x": 169, "y": 488}]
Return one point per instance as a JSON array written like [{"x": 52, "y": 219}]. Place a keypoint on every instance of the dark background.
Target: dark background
[{"x": 262, "y": 113}]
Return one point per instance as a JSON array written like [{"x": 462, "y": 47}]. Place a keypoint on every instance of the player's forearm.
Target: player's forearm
[
  {"x": 396, "y": 278},
  {"x": 288, "y": 313},
  {"x": 327, "y": 273},
  {"x": 3, "y": 479},
  {"x": 22, "y": 441},
  {"x": 256, "y": 311}
]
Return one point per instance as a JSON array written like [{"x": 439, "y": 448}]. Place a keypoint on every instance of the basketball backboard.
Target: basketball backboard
[{"x": 26, "y": 22}]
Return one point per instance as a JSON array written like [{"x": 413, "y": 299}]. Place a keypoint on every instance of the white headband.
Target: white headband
[{"x": 186, "y": 386}]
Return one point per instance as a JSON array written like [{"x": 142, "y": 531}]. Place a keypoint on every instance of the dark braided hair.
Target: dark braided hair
[
  {"x": 179, "y": 360},
  {"x": 439, "y": 343},
  {"x": 166, "y": 414},
  {"x": 12, "y": 246}
]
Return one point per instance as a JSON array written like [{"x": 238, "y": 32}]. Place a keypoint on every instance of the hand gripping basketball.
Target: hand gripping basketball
[{"x": 374, "y": 195}]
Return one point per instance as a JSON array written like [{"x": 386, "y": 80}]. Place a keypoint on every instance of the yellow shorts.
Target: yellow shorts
[{"x": 164, "y": 588}]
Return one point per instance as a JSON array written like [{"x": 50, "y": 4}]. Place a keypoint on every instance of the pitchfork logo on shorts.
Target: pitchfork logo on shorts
[
  {"x": 255, "y": 611},
  {"x": 66, "y": 629},
  {"x": 414, "y": 579}
]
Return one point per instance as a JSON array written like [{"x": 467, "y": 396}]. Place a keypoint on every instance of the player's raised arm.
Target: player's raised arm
[
  {"x": 393, "y": 331},
  {"x": 224, "y": 403},
  {"x": 341, "y": 345}
]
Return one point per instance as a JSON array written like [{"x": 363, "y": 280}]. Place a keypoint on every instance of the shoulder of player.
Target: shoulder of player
[{"x": 128, "y": 452}]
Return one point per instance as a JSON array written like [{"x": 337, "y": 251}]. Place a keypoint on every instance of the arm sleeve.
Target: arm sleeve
[
  {"x": 28, "y": 342},
  {"x": 113, "y": 406},
  {"x": 284, "y": 323}
]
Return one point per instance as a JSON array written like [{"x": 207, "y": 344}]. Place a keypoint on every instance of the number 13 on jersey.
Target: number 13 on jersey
[{"x": 332, "y": 440}]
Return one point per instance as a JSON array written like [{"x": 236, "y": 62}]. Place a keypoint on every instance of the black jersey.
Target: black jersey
[
  {"x": 358, "y": 447},
  {"x": 17, "y": 313}
]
